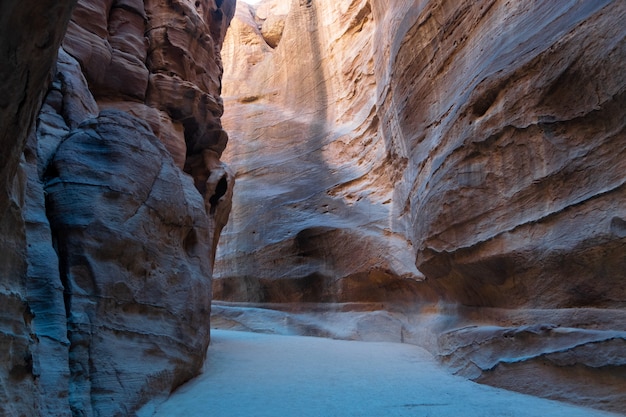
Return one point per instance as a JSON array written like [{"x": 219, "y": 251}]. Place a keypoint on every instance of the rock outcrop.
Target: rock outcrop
[
  {"x": 398, "y": 128},
  {"x": 117, "y": 205},
  {"x": 160, "y": 62},
  {"x": 468, "y": 154}
]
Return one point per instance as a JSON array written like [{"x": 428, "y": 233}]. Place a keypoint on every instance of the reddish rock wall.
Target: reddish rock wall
[
  {"x": 312, "y": 217},
  {"x": 112, "y": 244},
  {"x": 479, "y": 140},
  {"x": 514, "y": 134},
  {"x": 160, "y": 61}
]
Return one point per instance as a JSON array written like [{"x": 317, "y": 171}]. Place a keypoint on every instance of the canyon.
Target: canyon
[
  {"x": 443, "y": 174},
  {"x": 451, "y": 172}
]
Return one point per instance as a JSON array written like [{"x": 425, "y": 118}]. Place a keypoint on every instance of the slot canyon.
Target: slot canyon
[{"x": 208, "y": 205}]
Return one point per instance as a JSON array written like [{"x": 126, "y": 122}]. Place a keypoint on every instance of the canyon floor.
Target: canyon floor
[{"x": 260, "y": 374}]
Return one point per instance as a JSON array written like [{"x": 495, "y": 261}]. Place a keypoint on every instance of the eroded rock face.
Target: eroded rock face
[
  {"x": 133, "y": 239},
  {"x": 312, "y": 218},
  {"x": 484, "y": 156},
  {"x": 160, "y": 61},
  {"x": 108, "y": 276},
  {"x": 568, "y": 361},
  {"x": 514, "y": 135},
  {"x": 470, "y": 154}
]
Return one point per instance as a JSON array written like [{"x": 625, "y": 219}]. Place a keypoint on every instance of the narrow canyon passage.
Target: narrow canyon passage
[
  {"x": 262, "y": 375},
  {"x": 439, "y": 184}
]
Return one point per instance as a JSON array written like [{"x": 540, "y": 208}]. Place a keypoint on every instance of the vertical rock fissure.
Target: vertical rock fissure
[
  {"x": 49, "y": 174},
  {"x": 220, "y": 191}
]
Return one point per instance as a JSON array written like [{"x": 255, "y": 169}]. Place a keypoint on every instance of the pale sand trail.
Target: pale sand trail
[{"x": 261, "y": 375}]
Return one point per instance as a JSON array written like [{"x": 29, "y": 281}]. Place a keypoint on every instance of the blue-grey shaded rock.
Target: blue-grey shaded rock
[
  {"x": 106, "y": 246},
  {"x": 132, "y": 236},
  {"x": 30, "y": 34}
]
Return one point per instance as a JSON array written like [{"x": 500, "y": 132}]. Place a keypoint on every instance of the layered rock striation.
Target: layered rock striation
[
  {"x": 514, "y": 133},
  {"x": 116, "y": 205},
  {"x": 479, "y": 152},
  {"x": 469, "y": 155}
]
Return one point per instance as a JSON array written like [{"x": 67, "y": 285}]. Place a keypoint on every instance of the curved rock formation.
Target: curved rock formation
[
  {"x": 514, "y": 147},
  {"x": 469, "y": 154},
  {"x": 160, "y": 61},
  {"x": 131, "y": 234},
  {"x": 108, "y": 276},
  {"x": 402, "y": 120}
]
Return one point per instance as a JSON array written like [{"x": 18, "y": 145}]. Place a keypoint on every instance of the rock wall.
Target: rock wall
[
  {"x": 479, "y": 153},
  {"x": 160, "y": 61},
  {"x": 117, "y": 206},
  {"x": 312, "y": 218},
  {"x": 514, "y": 132},
  {"x": 512, "y": 119},
  {"x": 469, "y": 154},
  {"x": 26, "y": 58}
]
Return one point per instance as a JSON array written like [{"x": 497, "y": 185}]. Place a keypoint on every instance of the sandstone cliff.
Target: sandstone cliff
[
  {"x": 465, "y": 153},
  {"x": 109, "y": 244},
  {"x": 312, "y": 218}
]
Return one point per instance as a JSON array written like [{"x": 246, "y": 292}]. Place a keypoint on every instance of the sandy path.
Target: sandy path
[{"x": 259, "y": 375}]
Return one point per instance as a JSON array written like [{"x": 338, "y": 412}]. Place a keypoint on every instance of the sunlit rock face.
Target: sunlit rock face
[
  {"x": 487, "y": 147},
  {"x": 313, "y": 214},
  {"x": 417, "y": 151},
  {"x": 116, "y": 206}
]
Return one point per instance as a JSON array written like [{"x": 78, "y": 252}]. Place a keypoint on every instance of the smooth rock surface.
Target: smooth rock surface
[
  {"x": 312, "y": 217},
  {"x": 464, "y": 154},
  {"x": 133, "y": 239},
  {"x": 512, "y": 120}
]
